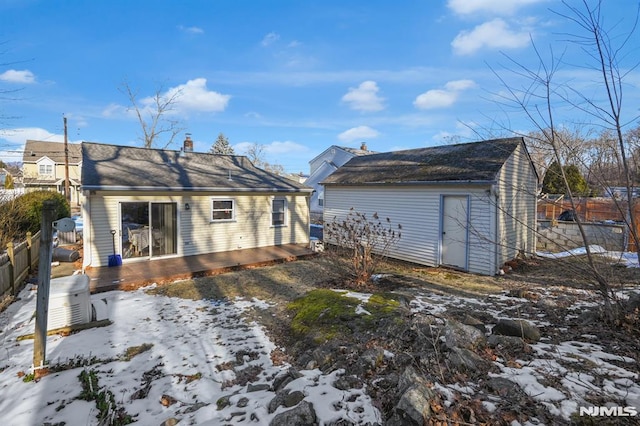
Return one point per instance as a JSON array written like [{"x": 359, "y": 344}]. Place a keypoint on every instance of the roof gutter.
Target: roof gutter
[
  {"x": 182, "y": 189},
  {"x": 408, "y": 183}
]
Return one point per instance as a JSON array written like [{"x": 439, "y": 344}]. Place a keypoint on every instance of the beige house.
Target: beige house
[
  {"x": 43, "y": 168},
  {"x": 150, "y": 204},
  {"x": 467, "y": 206}
]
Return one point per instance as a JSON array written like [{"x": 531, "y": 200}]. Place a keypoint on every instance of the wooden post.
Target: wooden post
[
  {"x": 67, "y": 193},
  {"x": 12, "y": 267},
  {"x": 30, "y": 251},
  {"x": 44, "y": 281}
]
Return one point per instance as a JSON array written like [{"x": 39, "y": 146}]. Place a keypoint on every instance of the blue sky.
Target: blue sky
[{"x": 294, "y": 76}]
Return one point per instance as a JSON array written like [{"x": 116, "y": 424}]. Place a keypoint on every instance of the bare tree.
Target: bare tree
[
  {"x": 256, "y": 154},
  {"x": 541, "y": 94},
  {"x": 155, "y": 116}
]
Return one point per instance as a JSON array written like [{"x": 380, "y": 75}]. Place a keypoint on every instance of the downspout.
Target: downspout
[
  {"x": 494, "y": 193},
  {"x": 86, "y": 232}
]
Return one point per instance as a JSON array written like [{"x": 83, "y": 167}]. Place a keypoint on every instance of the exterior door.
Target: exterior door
[
  {"x": 148, "y": 229},
  {"x": 455, "y": 235},
  {"x": 163, "y": 229}
]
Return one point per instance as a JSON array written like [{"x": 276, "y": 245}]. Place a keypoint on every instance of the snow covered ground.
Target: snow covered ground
[
  {"x": 194, "y": 345},
  {"x": 198, "y": 352}
]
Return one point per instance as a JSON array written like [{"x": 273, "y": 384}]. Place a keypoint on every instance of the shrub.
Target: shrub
[
  {"x": 24, "y": 214},
  {"x": 364, "y": 241},
  {"x": 30, "y": 206}
]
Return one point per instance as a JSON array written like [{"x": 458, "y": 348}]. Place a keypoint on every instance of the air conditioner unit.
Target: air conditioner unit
[{"x": 69, "y": 301}]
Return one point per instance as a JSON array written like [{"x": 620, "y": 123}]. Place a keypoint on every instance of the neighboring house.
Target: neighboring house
[
  {"x": 620, "y": 192},
  {"x": 322, "y": 166},
  {"x": 160, "y": 203},
  {"x": 468, "y": 206},
  {"x": 4, "y": 175},
  {"x": 43, "y": 168}
]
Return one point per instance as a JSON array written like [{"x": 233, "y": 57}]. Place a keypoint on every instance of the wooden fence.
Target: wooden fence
[
  {"x": 592, "y": 210},
  {"x": 19, "y": 260}
]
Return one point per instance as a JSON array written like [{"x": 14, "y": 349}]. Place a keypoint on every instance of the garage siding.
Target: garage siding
[
  {"x": 517, "y": 189},
  {"x": 417, "y": 209}
]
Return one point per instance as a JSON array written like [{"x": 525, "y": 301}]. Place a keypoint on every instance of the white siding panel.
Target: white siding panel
[
  {"x": 196, "y": 233},
  {"x": 517, "y": 189},
  {"x": 416, "y": 209}
]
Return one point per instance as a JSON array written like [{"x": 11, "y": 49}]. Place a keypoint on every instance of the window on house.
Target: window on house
[
  {"x": 278, "y": 209},
  {"x": 222, "y": 210},
  {"x": 321, "y": 199},
  {"x": 45, "y": 169}
]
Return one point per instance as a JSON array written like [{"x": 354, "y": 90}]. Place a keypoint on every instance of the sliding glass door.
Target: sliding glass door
[{"x": 148, "y": 229}]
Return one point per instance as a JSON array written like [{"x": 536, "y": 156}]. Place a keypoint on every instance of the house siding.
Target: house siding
[
  {"x": 517, "y": 191},
  {"x": 418, "y": 210},
  {"x": 196, "y": 233}
]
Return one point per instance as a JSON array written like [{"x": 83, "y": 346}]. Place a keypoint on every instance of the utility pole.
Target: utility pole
[
  {"x": 67, "y": 193},
  {"x": 44, "y": 282}
]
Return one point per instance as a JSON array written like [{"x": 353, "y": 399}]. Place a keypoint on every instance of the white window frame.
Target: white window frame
[
  {"x": 284, "y": 212},
  {"x": 233, "y": 210},
  {"x": 45, "y": 169}
]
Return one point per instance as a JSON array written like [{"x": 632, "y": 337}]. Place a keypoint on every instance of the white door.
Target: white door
[{"x": 454, "y": 230}]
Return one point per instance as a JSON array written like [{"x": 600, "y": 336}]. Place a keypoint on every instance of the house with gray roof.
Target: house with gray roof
[
  {"x": 43, "y": 167},
  {"x": 467, "y": 206},
  {"x": 322, "y": 166},
  {"x": 154, "y": 203}
]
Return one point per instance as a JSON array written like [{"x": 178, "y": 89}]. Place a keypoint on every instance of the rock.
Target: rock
[
  {"x": 371, "y": 359},
  {"x": 302, "y": 415},
  {"x": 348, "y": 382},
  {"x": 633, "y": 302},
  {"x": 415, "y": 404},
  {"x": 466, "y": 360},
  {"x": 277, "y": 400},
  {"x": 223, "y": 401},
  {"x": 501, "y": 386},
  {"x": 518, "y": 328},
  {"x": 510, "y": 344},
  {"x": 171, "y": 421},
  {"x": 242, "y": 402},
  {"x": 293, "y": 398},
  {"x": 257, "y": 388},
  {"x": 283, "y": 379},
  {"x": 167, "y": 400},
  {"x": 458, "y": 335},
  {"x": 409, "y": 377}
]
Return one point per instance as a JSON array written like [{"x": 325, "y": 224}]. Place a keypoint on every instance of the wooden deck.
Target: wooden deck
[{"x": 136, "y": 274}]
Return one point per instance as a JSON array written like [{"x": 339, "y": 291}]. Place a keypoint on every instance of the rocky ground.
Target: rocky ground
[{"x": 442, "y": 347}]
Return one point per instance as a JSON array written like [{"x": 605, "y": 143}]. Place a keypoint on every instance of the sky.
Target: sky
[
  {"x": 293, "y": 76},
  {"x": 177, "y": 349}
]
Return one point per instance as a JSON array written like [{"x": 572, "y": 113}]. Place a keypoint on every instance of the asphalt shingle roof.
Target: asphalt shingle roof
[
  {"x": 34, "y": 150},
  {"x": 120, "y": 167},
  {"x": 476, "y": 161}
]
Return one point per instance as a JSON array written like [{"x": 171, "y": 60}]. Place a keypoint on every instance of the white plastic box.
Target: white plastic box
[{"x": 69, "y": 301}]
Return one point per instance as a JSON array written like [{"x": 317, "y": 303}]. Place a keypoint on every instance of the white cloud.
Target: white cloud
[
  {"x": 364, "y": 97},
  {"x": 273, "y": 148},
  {"x": 191, "y": 30},
  {"x": 269, "y": 39},
  {"x": 496, "y": 7},
  {"x": 15, "y": 76},
  {"x": 20, "y": 135},
  {"x": 193, "y": 96},
  {"x": 358, "y": 133},
  {"x": 493, "y": 34},
  {"x": 442, "y": 98}
]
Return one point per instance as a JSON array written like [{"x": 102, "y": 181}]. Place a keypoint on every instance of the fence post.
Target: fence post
[
  {"x": 12, "y": 266},
  {"x": 29, "y": 251}
]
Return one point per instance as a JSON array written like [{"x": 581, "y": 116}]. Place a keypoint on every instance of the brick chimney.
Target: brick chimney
[
  {"x": 363, "y": 147},
  {"x": 188, "y": 143}
]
